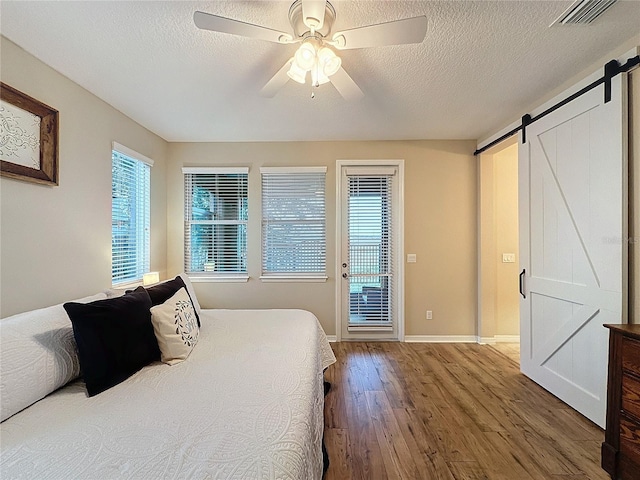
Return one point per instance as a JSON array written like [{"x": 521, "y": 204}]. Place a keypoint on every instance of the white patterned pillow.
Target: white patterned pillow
[
  {"x": 176, "y": 327},
  {"x": 191, "y": 291},
  {"x": 38, "y": 355}
]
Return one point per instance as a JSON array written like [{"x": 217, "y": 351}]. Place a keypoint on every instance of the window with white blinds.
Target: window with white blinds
[
  {"x": 130, "y": 215},
  {"x": 370, "y": 248},
  {"x": 293, "y": 222},
  {"x": 216, "y": 213}
]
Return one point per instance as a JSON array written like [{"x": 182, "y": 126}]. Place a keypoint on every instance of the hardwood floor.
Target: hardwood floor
[
  {"x": 511, "y": 350},
  {"x": 449, "y": 411}
]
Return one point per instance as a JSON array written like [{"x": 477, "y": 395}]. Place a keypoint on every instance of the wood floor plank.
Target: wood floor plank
[
  {"x": 520, "y": 462},
  {"x": 362, "y": 366},
  {"x": 570, "y": 477},
  {"x": 335, "y": 415},
  {"x": 365, "y": 456},
  {"x": 459, "y": 392},
  {"x": 500, "y": 461},
  {"x": 395, "y": 453},
  {"x": 509, "y": 350},
  {"x": 451, "y": 412},
  {"x": 467, "y": 471},
  {"x": 423, "y": 445},
  {"x": 392, "y": 383},
  {"x": 543, "y": 453},
  {"x": 337, "y": 441}
]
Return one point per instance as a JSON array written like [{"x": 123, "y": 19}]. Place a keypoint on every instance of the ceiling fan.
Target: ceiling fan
[{"x": 311, "y": 21}]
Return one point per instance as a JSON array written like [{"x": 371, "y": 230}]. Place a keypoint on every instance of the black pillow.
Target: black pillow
[
  {"x": 162, "y": 292},
  {"x": 115, "y": 338}
]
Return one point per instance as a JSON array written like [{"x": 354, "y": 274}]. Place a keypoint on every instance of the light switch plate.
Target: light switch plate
[
  {"x": 508, "y": 258},
  {"x": 412, "y": 258}
]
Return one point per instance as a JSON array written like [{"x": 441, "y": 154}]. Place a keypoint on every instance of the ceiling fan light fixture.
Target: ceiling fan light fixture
[
  {"x": 328, "y": 61},
  {"x": 305, "y": 56},
  {"x": 312, "y": 26},
  {"x": 296, "y": 73}
]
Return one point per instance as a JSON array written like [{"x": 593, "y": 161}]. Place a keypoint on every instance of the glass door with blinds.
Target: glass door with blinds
[{"x": 369, "y": 253}]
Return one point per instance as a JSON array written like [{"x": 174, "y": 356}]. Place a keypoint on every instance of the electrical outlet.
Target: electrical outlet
[{"x": 429, "y": 315}]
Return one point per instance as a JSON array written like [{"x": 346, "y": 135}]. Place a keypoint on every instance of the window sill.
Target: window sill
[
  {"x": 220, "y": 279},
  {"x": 294, "y": 278},
  {"x": 127, "y": 285}
]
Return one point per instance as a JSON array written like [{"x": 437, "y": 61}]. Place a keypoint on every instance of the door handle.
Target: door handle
[{"x": 521, "y": 281}]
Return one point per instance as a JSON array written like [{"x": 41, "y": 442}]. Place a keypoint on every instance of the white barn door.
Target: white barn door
[{"x": 573, "y": 226}]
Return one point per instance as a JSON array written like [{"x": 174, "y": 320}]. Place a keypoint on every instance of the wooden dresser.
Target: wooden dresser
[{"x": 621, "y": 447}]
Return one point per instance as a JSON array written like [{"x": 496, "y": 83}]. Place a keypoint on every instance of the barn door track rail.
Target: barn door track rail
[{"x": 611, "y": 69}]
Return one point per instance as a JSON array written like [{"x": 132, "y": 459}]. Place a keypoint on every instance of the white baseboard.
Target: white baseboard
[
  {"x": 452, "y": 339},
  {"x": 499, "y": 339},
  {"x": 440, "y": 338}
]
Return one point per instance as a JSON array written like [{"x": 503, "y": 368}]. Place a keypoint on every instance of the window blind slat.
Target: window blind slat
[
  {"x": 216, "y": 214},
  {"x": 130, "y": 217},
  {"x": 293, "y": 221},
  {"x": 370, "y": 248}
]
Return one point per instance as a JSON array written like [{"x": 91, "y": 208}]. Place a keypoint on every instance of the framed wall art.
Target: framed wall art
[{"x": 28, "y": 138}]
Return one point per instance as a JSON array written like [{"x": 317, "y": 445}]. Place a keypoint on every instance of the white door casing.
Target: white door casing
[
  {"x": 369, "y": 168},
  {"x": 573, "y": 228}
]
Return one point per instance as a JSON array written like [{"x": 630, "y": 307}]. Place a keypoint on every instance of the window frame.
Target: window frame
[
  {"x": 145, "y": 229},
  {"x": 294, "y": 277},
  {"x": 203, "y": 276}
]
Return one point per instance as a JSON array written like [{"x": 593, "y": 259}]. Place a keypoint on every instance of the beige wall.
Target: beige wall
[
  {"x": 55, "y": 242},
  {"x": 440, "y": 227},
  {"x": 634, "y": 196}
]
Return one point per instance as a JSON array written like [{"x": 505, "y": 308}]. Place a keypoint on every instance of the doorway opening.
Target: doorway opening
[{"x": 498, "y": 251}]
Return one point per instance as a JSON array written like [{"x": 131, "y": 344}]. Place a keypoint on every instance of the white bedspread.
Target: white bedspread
[{"x": 247, "y": 404}]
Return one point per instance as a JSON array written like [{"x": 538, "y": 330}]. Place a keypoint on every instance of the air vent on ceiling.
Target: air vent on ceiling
[{"x": 583, "y": 12}]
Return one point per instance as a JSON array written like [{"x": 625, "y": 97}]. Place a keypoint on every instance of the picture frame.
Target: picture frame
[{"x": 28, "y": 138}]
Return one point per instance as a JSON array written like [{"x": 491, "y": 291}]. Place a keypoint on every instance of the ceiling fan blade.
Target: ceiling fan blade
[
  {"x": 278, "y": 81},
  {"x": 207, "y": 21},
  {"x": 346, "y": 86},
  {"x": 313, "y": 13},
  {"x": 409, "y": 30}
]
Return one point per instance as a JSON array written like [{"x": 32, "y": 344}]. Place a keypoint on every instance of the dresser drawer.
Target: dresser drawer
[
  {"x": 621, "y": 447},
  {"x": 631, "y": 355},
  {"x": 630, "y": 439},
  {"x": 631, "y": 395}
]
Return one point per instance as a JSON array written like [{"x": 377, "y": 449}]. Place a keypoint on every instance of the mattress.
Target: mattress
[{"x": 246, "y": 404}]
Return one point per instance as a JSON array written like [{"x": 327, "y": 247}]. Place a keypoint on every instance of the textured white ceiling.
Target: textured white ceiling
[{"x": 482, "y": 63}]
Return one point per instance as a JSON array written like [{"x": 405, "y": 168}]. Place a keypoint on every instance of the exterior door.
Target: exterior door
[
  {"x": 368, "y": 252},
  {"x": 573, "y": 224}
]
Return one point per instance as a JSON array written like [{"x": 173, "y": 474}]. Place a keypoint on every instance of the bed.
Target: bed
[{"x": 246, "y": 404}]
